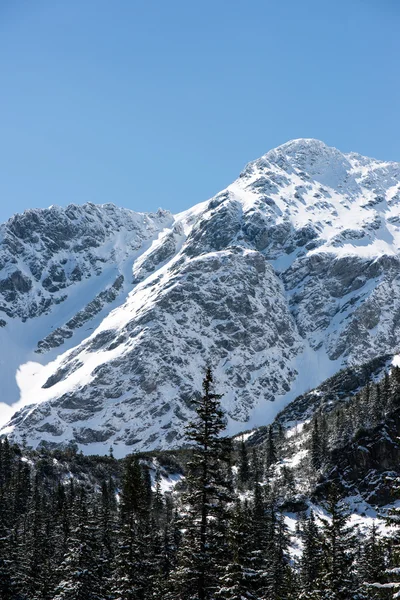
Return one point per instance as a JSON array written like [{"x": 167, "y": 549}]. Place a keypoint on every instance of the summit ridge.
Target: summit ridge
[{"x": 109, "y": 316}]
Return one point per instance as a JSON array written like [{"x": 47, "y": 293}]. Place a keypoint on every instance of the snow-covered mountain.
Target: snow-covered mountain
[{"x": 280, "y": 280}]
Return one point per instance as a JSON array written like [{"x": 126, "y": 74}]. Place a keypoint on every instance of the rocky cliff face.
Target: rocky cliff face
[
  {"x": 279, "y": 281},
  {"x": 368, "y": 466},
  {"x": 43, "y": 253}
]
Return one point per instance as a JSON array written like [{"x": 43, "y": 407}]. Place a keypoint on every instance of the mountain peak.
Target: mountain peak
[
  {"x": 280, "y": 280},
  {"x": 307, "y": 156},
  {"x": 323, "y": 163},
  {"x": 317, "y": 159},
  {"x": 303, "y": 145}
]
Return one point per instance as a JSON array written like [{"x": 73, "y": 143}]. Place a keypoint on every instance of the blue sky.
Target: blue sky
[{"x": 161, "y": 103}]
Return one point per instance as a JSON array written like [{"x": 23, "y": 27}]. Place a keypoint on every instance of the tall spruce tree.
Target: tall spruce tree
[
  {"x": 394, "y": 393},
  {"x": 280, "y": 583},
  {"x": 205, "y": 501},
  {"x": 236, "y": 579},
  {"x": 316, "y": 446},
  {"x": 158, "y": 500},
  {"x": 7, "y": 567},
  {"x": 130, "y": 573},
  {"x": 261, "y": 519},
  {"x": 79, "y": 570},
  {"x": 337, "y": 580},
  {"x": 372, "y": 567},
  {"x": 310, "y": 564},
  {"x": 271, "y": 457},
  {"x": 107, "y": 522},
  {"x": 384, "y": 584},
  {"x": 244, "y": 468}
]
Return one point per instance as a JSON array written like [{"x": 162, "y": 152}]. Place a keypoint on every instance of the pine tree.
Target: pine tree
[
  {"x": 337, "y": 580},
  {"x": 316, "y": 450},
  {"x": 279, "y": 578},
  {"x": 147, "y": 490},
  {"x": 171, "y": 543},
  {"x": 236, "y": 579},
  {"x": 7, "y": 571},
  {"x": 128, "y": 581},
  {"x": 205, "y": 500},
  {"x": 7, "y": 566},
  {"x": 158, "y": 502},
  {"x": 133, "y": 493},
  {"x": 310, "y": 564},
  {"x": 36, "y": 552},
  {"x": 51, "y": 547},
  {"x": 366, "y": 404},
  {"x": 107, "y": 524},
  {"x": 323, "y": 436},
  {"x": 372, "y": 566},
  {"x": 271, "y": 457},
  {"x": 79, "y": 576},
  {"x": 385, "y": 392},
  {"x": 287, "y": 481},
  {"x": 262, "y": 523},
  {"x": 257, "y": 468},
  {"x": 244, "y": 468},
  {"x": 384, "y": 583},
  {"x": 130, "y": 573},
  {"x": 394, "y": 395}
]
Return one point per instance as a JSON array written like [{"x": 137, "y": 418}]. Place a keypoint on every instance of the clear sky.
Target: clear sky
[{"x": 162, "y": 102}]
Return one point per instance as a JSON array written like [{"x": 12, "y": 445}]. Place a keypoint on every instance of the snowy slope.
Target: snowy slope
[
  {"x": 278, "y": 281},
  {"x": 56, "y": 264}
]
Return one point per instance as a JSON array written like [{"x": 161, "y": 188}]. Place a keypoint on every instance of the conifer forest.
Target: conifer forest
[{"x": 229, "y": 519}]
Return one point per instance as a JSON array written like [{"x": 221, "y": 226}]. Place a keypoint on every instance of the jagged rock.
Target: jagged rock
[
  {"x": 281, "y": 280},
  {"x": 368, "y": 464}
]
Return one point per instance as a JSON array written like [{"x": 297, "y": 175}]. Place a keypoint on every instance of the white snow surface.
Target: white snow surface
[{"x": 280, "y": 280}]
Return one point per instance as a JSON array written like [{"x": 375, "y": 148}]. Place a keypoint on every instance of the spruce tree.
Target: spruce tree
[
  {"x": 337, "y": 581},
  {"x": 33, "y": 559},
  {"x": 244, "y": 468},
  {"x": 171, "y": 543},
  {"x": 384, "y": 583},
  {"x": 205, "y": 500},
  {"x": 385, "y": 392},
  {"x": 236, "y": 579},
  {"x": 158, "y": 501},
  {"x": 262, "y": 523},
  {"x": 372, "y": 566},
  {"x": 310, "y": 564},
  {"x": 107, "y": 520},
  {"x": 271, "y": 457},
  {"x": 129, "y": 579},
  {"x": 79, "y": 570},
  {"x": 316, "y": 450},
  {"x": 7, "y": 568},
  {"x": 279, "y": 577},
  {"x": 394, "y": 395}
]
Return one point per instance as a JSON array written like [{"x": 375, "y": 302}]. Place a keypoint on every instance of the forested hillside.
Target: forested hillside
[{"x": 307, "y": 513}]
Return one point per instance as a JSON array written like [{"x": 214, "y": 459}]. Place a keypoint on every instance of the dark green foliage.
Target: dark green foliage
[
  {"x": 311, "y": 560},
  {"x": 206, "y": 499},
  {"x": 372, "y": 565},
  {"x": 336, "y": 579},
  {"x": 244, "y": 467},
  {"x": 237, "y": 578},
  {"x": 79, "y": 579},
  {"x": 270, "y": 449},
  {"x": 316, "y": 447},
  {"x": 74, "y": 527}
]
